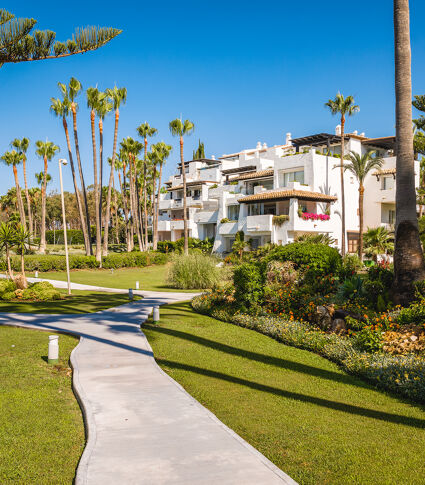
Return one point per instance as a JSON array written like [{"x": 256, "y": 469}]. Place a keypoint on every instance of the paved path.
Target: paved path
[{"x": 143, "y": 428}]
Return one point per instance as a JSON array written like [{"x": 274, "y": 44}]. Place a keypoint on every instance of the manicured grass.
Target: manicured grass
[
  {"x": 78, "y": 302},
  {"x": 41, "y": 430},
  {"x": 150, "y": 278},
  {"x": 318, "y": 424}
]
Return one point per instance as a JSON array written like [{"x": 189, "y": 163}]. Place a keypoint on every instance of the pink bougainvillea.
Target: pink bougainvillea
[{"x": 315, "y": 217}]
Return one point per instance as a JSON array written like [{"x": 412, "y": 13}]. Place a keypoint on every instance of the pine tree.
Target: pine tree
[{"x": 199, "y": 153}]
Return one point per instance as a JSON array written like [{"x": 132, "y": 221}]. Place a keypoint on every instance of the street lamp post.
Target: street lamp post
[{"x": 62, "y": 161}]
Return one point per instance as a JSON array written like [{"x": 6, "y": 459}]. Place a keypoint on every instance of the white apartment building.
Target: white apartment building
[{"x": 299, "y": 180}]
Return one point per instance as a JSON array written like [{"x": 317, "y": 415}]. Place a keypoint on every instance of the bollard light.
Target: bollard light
[
  {"x": 53, "y": 354},
  {"x": 137, "y": 285},
  {"x": 130, "y": 294},
  {"x": 36, "y": 274},
  {"x": 156, "y": 314}
]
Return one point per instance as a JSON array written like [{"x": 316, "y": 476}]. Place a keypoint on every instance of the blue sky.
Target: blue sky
[{"x": 242, "y": 71}]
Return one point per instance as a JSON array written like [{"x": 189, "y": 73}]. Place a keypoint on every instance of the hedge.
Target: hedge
[
  {"x": 46, "y": 262},
  {"x": 403, "y": 374}
]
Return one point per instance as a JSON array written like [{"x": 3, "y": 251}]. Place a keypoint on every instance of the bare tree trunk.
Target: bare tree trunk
[
  {"x": 342, "y": 186},
  {"x": 19, "y": 197},
  {"x": 185, "y": 231},
  {"x": 145, "y": 210},
  {"x": 80, "y": 169},
  {"x": 126, "y": 214},
  {"x": 77, "y": 192},
  {"x": 96, "y": 187},
  {"x": 361, "y": 196},
  {"x": 99, "y": 208},
  {"x": 409, "y": 263},
  {"x": 43, "y": 210},
  {"x": 155, "y": 235}
]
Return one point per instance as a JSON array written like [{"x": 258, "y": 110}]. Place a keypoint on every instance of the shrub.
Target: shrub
[
  {"x": 195, "y": 271},
  {"x": 6, "y": 287},
  {"x": 369, "y": 339},
  {"x": 382, "y": 273},
  {"x": 318, "y": 258},
  {"x": 351, "y": 264},
  {"x": 401, "y": 374},
  {"x": 74, "y": 236},
  {"x": 42, "y": 291},
  {"x": 351, "y": 289},
  {"x": 413, "y": 314},
  {"x": 248, "y": 282},
  {"x": 280, "y": 220}
]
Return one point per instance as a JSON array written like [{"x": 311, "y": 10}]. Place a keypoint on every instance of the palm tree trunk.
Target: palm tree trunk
[
  {"x": 77, "y": 192},
  {"x": 361, "y": 196},
  {"x": 134, "y": 210},
  {"x": 96, "y": 187},
  {"x": 145, "y": 209},
  {"x": 100, "y": 187},
  {"x": 126, "y": 215},
  {"x": 342, "y": 186},
  {"x": 153, "y": 203},
  {"x": 80, "y": 169},
  {"x": 155, "y": 235},
  {"x": 409, "y": 263},
  {"x": 23, "y": 267},
  {"x": 139, "y": 214},
  {"x": 43, "y": 210},
  {"x": 19, "y": 197},
  {"x": 27, "y": 195},
  {"x": 111, "y": 178},
  {"x": 115, "y": 211},
  {"x": 9, "y": 267},
  {"x": 186, "y": 240}
]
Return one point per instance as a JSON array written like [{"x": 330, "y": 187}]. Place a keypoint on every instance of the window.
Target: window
[
  {"x": 353, "y": 242},
  {"x": 391, "y": 216},
  {"x": 296, "y": 176},
  {"x": 233, "y": 212},
  {"x": 387, "y": 183},
  {"x": 254, "y": 209}
]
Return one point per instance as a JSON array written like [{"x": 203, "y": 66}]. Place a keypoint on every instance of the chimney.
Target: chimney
[
  {"x": 264, "y": 146},
  {"x": 363, "y": 134},
  {"x": 288, "y": 139},
  {"x": 212, "y": 157},
  {"x": 338, "y": 130},
  {"x": 355, "y": 132},
  {"x": 258, "y": 147}
]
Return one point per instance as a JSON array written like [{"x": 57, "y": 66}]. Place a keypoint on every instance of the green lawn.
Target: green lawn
[
  {"x": 150, "y": 278},
  {"x": 320, "y": 425},
  {"x": 78, "y": 302},
  {"x": 41, "y": 426}
]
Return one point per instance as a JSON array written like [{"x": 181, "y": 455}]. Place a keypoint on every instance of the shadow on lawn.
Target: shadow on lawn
[
  {"x": 264, "y": 359},
  {"x": 337, "y": 406}
]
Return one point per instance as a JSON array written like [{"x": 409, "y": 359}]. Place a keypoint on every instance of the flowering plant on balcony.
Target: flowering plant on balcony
[{"x": 308, "y": 216}]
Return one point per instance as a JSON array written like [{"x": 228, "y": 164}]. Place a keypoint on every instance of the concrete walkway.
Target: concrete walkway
[{"x": 142, "y": 427}]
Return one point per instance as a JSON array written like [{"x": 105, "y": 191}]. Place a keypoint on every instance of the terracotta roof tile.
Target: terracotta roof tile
[
  {"x": 288, "y": 194},
  {"x": 255, "y": 175},
  {"x": 385, "y": 171}
]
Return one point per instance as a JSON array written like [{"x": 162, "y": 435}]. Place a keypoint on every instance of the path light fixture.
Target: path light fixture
[
  {"x": 62, "y": 161},
  {"x": 130, "y": 294},
  {"x": 137, "y": 285},
  {"x": 53, "y": 354},
  {"x": 156, "y": 314}
]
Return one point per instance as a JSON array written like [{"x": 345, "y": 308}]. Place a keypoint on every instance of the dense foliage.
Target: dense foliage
[
  {"x": 196, "y": 271},
  {"x": 42, "y": 291},
  {"x": 203, "y": 245}
]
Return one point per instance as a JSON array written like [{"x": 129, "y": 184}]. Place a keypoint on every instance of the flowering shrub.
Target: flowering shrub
[
  {"x": 309, "y": 216},
  {"x": 398, "y": 373}
]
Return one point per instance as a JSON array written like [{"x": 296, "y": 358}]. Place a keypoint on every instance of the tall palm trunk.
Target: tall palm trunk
[
  {"x": 409, "y": 263},
  {"x": 9, "y": 266},
  {"x": 116, "y": 213},
  {"x": 19, "y": 197},
  {"x": 126, "y": 209},
  {"x": 186, "y": 240},
  {"x": 43, "y": 210},
  {"x": 139, "y": 213},
  {"x": 342, "y": 186},
  {"x": 77, "y": 192},
  {"x": 80, "y": 169},
  {"x": 134, "y": 210},
  {"x": 155, "y": 236},
  {"x": 153, "y": 203},
  {"x": 96, "y": 187},
  {"x": 361, "y": 197},
  {"x": 27, "y": 195},
  {"x": 145, "y": 208},
  {"x": 111, "y": 178},
  {"x": 99, "y": 208}
]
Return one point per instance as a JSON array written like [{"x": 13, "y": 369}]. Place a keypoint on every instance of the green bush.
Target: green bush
[
  {"x": 248, "y": 281},
  {"x": 369, "y": 339},
  {"x": 74, "y": 236},
  {"x": 397, "y": 373},
  {"x": 318, "y": 259},
  {"x": 351, "y": 264},
  {"x": 6, "y": 287},
  {"x": 413, "y": 314},
  {"x": 205, "y": 245},
  {"x": 195, "y": 271},
  {"x": 42, "y": 291}
]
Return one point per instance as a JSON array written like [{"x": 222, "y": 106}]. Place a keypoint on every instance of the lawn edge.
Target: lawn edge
[{"x": 269, "y": 464}]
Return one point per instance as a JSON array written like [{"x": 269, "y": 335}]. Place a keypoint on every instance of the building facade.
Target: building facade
[{"x": 276, "y": 194}]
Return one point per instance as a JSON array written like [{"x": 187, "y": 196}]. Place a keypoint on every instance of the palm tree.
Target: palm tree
[
  {"x": 62, "y": 109},
  {"x": 162, "y": 151},
  {"x": 70, "y": 92},
  {"x": 120, "y": 162},
  {"x": 103, "y": 107},
  {"x": 117, "y": 96},
  {"x": 239, "y": 244},
  {"x": 7, "y": 240},
  {"x": 45, "y": 150},
  {"x": 93, "y": 101},
  {"x": 180, "y": 128},
  {"x": 378, "y": 241},
  {"x": 344, "y": 107},
  {"x": 22, "y": 242},
  {"x": 409, "y": 265},
  {"x": 18, "y": 45},
  {"x": 360, "y": 166},
  {"x": 145, "y": 131},
  {"x": 14, "y": 158},
  {"x": 21, "y": 147}
]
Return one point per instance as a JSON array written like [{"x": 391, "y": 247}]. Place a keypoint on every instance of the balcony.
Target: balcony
[
  {"x": 228, "y": 228},
  {"x": 259, "y": 224},
  {"x": 206, "y": 217},
  {"x": 164, "y": 225},
  {"x": 297, "y": 223}
]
